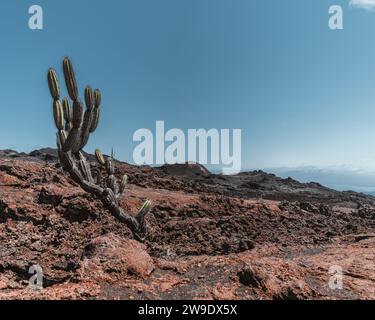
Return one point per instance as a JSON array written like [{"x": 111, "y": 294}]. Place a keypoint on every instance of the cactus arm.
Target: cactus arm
[
  {"x": 111, "y": 180},
  {"x": 70, "y": 79},
  {"x": 136, "y": 224},
  {"x": 73, "y": 130},
  {"x": 68, "y": 115},
  {"x": 122, "y": 188},
  {"x": 88, "y": 117},
  {"x": 87, "y": 120},
  {"x": 85, "y": 168}
]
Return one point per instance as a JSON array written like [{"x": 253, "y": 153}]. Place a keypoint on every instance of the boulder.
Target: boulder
[{"x": 111, "y": 257}]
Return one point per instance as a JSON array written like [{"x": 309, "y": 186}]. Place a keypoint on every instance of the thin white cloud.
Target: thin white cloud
[{"x": 368, "y": 5}]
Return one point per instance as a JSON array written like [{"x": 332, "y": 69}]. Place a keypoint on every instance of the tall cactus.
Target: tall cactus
[{"x": 74, "y": 125}]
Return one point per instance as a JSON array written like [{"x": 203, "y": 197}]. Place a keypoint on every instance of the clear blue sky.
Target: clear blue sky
[{"x": 301, "y": 93}]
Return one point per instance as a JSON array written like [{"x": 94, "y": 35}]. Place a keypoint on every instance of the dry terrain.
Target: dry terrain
[{"x": 250, "y": 236}]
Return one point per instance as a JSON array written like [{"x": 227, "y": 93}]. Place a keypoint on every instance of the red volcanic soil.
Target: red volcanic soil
[{"x": 249, "y": 236}]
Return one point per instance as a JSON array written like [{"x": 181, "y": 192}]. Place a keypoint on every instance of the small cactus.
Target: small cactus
[
  {"x": 74, "y": 125},
  {"x": 100, "y": 157},
  {"x": 145, "y": 207},
  {"x": 124, "y": 183}
]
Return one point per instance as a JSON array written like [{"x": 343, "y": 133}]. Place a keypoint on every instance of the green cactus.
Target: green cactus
[
  {"x": 68, "y": 110},
  {"x": 98, "y": 98},
  {"x": 58, "y": 114},
  {"x": 89, "y": 98},
  {"x": 70, "y": 79},
  {"x": 95, "y": 121},
  {"x": 124, "y": 183},
  {"x": 53, "y": 84},
  {"x": 100, "y": 157},
  {"x": 74, "y": 125},
  {"x": 62, "y": 136}
]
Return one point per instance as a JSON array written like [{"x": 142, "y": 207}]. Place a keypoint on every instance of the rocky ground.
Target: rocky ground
[{"x": 250, "y": 236}]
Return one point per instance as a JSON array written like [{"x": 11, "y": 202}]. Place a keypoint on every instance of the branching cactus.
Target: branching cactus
[{"x": 74, "y": 125}]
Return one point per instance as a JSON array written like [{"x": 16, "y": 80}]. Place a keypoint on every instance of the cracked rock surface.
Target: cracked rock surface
[{"x": 249, "y": 236}]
